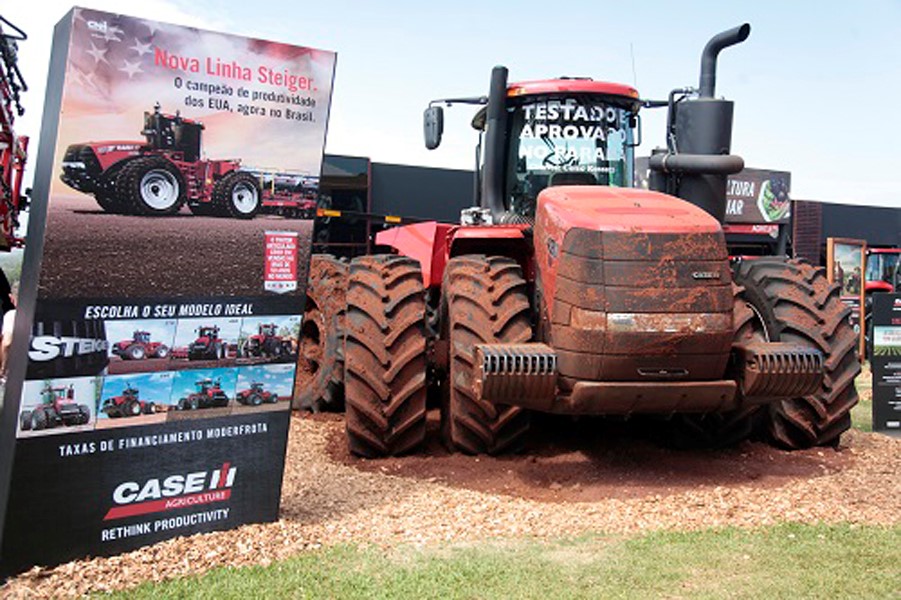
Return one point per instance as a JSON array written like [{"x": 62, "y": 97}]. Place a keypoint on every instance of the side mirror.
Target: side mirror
[{"x": 433, "y": 126}]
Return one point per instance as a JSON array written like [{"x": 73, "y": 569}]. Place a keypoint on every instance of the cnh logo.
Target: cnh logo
[
  {"x": 98, "y": 26},
  {"x": 157, "y": 494}
]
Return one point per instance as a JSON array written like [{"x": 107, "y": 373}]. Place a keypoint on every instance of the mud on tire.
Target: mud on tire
[
  {"x": 487, "y": 302},
  {"x": 320, "y": 361},
  {"x": 795, "y": 303},
  {"x": 385, "y": 356}
]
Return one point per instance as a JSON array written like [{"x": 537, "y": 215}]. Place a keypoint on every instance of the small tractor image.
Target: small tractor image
[
  {"x": 58, "y": 407},
  {"x": 140, "y": 347},
  {"x": 208, "y": 345},
  {"x": 267, "y": 343},
  {"x": 128, "y": 404},
  {"x": 256, "y": 395},
  {"x": 208, "y": 394},
  {"x": 566, "y": 290},
  {"x": 159, "y": 175}
]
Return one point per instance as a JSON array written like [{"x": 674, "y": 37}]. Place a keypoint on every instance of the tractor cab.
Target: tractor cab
[
  {"x": 565, "y": 132},
  {"x": 173, "y": 133},
  {"x": 58, "y": 396},
  {"x": 208, "y": 332},
  {"x": 547, "y": 133},
  {"x": 204, "y": 385},
  {"x": 267, "y": 329},
  {"x": 130, "y": 392},
  {"x": 256, "y": 386},
  {"x": 142, "y": 337}
]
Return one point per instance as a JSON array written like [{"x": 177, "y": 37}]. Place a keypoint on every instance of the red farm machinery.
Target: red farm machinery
[
  {"x": 139, "y": 347},
  {"x": 207, "y": 394},
  {"x": 267, "y": 343},
  {"x": 58, "y": 407},
  {"x": 566, "y": 290},
  {"x": 159, "y": 175},
  {"x": 256, "y": 395},
  {"x": 13, "y": 148},
  {"x": 127, "y": 404}
]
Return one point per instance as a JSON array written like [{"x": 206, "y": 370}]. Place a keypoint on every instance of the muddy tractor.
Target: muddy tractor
[
  {"x": 207, "y": 345},
  {"x": 127, "y": 404},
  {"x": 566, "y": 290},
  {"x": 208, "y": 394},
  {"x": 58, "y": 407},
  {"x": 266, "y": 342},
  {"x": 256, "y": 395},
  {"x": 160, "y": 174},
  {"x": 140, "y": 347}
]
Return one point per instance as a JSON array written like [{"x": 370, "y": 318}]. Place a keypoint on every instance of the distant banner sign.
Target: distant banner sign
[
  {"x": 846, "y": 265},
  {"x": 281, "y": 261},
  {"x": 752, "y": 195},
  {"x": 165, "y": 333},
  {"x": 886, "y": 363}
]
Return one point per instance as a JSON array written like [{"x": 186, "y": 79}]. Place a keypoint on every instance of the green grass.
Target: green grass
[{"x": 784, "y": 561}]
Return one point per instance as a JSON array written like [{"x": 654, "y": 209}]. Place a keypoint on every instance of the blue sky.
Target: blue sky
[{"x": 815, "y": 84}]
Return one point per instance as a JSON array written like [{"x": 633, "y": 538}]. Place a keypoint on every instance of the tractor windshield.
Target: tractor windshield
[
  {"x": 572, "y": 140},
  {"x": 882, "y": 266}
]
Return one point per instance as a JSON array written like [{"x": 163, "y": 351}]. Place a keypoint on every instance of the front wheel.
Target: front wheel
[
  {"x": 135, "y": 352},
  {"x": 385, "y": 356},
  {"x": 238, "y": 195},
  {"x": 151, "y": 185},
  {"x": 487, "y": 303},
  {"x": 795, "y": 303}
]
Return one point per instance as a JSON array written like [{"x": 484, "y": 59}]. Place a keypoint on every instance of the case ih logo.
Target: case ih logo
[{"x": 173, "y": 492}]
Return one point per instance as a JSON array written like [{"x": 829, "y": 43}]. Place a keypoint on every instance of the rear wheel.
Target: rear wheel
[
  {"x": 25, "y": 420},
  {"x": 84, "y": 414},
  {"x": 162, "y": 351},
  {"x": 151, "y": 185},
  {"x": 487, "y": 303},
  {"x": 131, "y": 408},
  {"x": 238, "y": 195},
  {"x": 796, "y": 304},
  {"x": 385, "y": 356},
  {"x": 320, "y": 363}
]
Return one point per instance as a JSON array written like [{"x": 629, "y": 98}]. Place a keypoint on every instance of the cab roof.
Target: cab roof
[{"x": 575, "y": 85}]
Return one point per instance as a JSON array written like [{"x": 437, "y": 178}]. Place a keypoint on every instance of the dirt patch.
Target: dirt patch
[
  {"x": 586, "y": 460},
  {"x": 329, "y": 497}
]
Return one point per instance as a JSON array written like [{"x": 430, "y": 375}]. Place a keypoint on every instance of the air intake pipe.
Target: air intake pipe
[{"x": 496, "y": 130}]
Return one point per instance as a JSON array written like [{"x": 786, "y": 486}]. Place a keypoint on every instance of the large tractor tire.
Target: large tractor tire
[
  {"x": 107, "y": 196},
  {"x": 320, "y": 363},
  {"x": 151, "y": 185},
  {"x": 385, "y": 356},
  {"x": 135, "y": 352},
  {"x": 110, "y": 203},
  {"x": 486, "y": 302},
  {"x": 39, "y": 419},
  {"x": 721, "y": 429},
  {"x": 238, "y": 195},
  {"x": 25, "y": 420},
  {"x": 793, "y": 302}
]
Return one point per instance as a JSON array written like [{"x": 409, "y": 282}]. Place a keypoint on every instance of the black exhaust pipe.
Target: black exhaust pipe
[
  {"x": 496, "y": 126},
  {"x": 727, "y": 38}
]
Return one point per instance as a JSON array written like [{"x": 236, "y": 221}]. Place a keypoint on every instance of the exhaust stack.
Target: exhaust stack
[
  {"x": 700, "y": 137},
  {"x": 493, "y": 179}
]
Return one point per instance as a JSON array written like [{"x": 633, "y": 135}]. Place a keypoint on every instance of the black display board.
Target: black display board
[
  {"x": 163, "y": 286},
  {"x": 886, "y": 363}
]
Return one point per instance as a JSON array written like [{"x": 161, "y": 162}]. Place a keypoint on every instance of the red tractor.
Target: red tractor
[
  {"x": 883, "y": 275},
  {"x": 208, "y": 345},
  {"x": 13, "y": 148},
  {"x": 140, "y": 347},
  {"x": 58, "y": 407},
  {"x": 267, "y": 343},
  {"x": 256, "y": 395},
  {"x": 159, "y": 175},
  {"x": 128, "y": 404},
  {"x": 566, "y": 290},
  {"x": 209, "y": 394}
]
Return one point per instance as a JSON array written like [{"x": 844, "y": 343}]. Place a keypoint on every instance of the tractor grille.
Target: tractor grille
[{"x": 642, "y": 306}]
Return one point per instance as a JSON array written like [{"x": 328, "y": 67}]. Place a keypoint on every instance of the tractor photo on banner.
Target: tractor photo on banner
[{"x": 177, "y": 171}]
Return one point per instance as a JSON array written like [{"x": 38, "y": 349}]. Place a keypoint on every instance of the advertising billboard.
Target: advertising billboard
[{"x": 163, "y": 337}]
